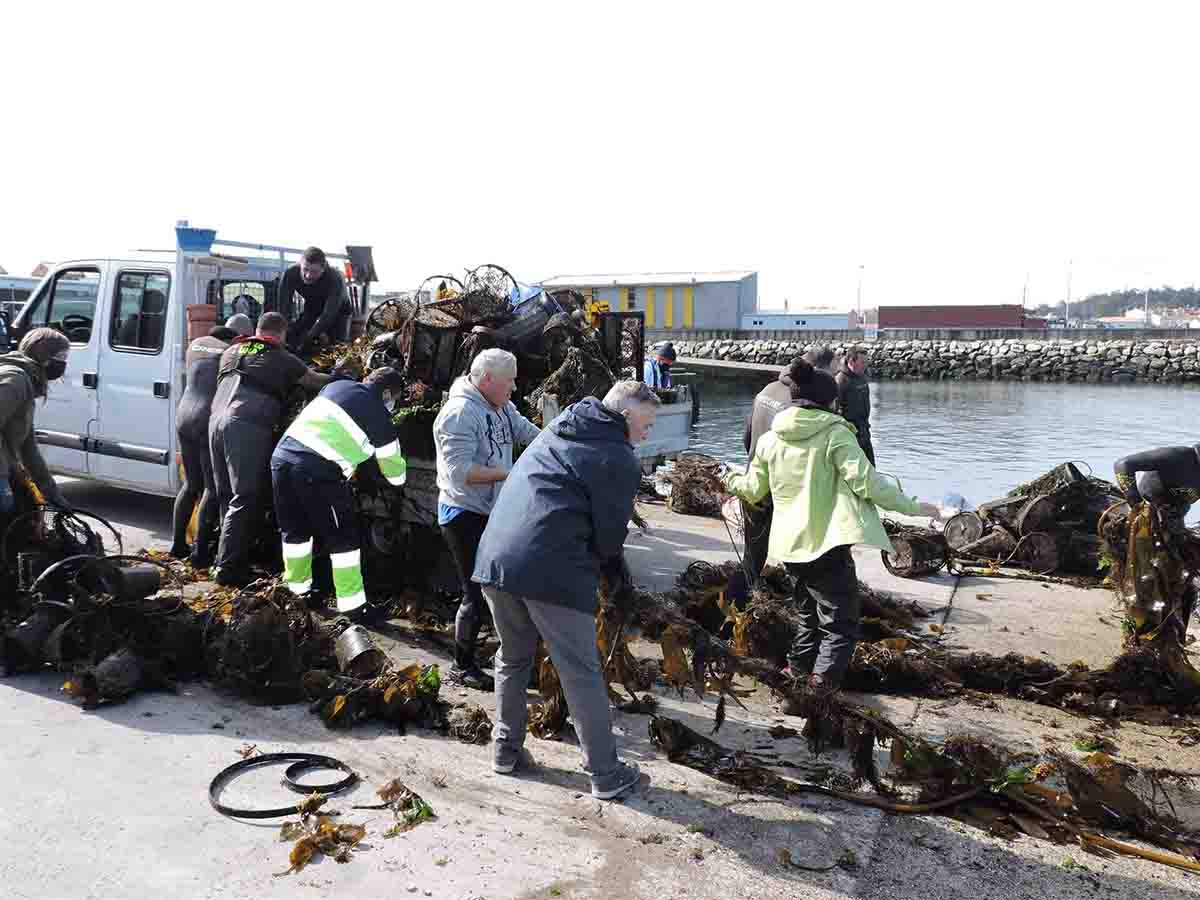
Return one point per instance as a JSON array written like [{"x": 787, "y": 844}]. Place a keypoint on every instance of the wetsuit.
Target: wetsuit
[
  {"x": 191, "y": 425},
  {"x": 326, "y": 307},
  {"x": 1169, "y": 478},
  {"x": 854, "y": 404},
  {"x": 343, "y": 427},
  {"x": 255, "y": 378}
]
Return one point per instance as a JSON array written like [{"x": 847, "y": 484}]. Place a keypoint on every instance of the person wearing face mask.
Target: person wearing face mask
[
  {"x": 344, "y": 426},
  {"x": 40, "y": 358},
  {"x": 474, "y": 435},
  {"x": 825, "y": 493},
  {"x": 559, "y": 523}
]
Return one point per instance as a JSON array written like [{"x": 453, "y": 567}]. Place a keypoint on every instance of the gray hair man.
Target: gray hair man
[
  {"x": 474, "y": 435},
  {"x": 562, "y": 520}
]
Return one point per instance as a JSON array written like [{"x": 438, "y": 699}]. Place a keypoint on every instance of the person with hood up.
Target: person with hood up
[
  {"x": 825, "y": 493},
  {"x": 474, "y": 435},
  {"x": 560, "y": 521},
  {"x": 203, "y": 363},
  {"x": 40, "y": 357},
  {"x": 657, "y": 369}
]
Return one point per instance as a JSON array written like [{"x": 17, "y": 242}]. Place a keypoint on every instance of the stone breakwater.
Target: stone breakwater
[{"x": 1092, "y": 361}]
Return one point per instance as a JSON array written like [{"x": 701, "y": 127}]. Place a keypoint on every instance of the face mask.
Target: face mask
[{"x": 55, "y": 369}]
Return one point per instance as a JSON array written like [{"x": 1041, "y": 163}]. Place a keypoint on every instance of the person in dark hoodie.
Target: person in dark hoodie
[
  {"x": 203, "y": 364},
  {"x": 474, "y": 435},
  {"x": 255, "y": 378},
  {"x": 561, "y": 519},
  {"x": 40, "y": 358}
]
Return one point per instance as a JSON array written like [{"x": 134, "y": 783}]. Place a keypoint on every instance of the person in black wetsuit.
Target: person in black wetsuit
[
  {"x": 854, "y": 398},
  {"x": 253, "y": 384},
  {"x": 1168, "y": 478},
  {"x": 326, "y": 314},
  {"x": 191, "y": 425}
]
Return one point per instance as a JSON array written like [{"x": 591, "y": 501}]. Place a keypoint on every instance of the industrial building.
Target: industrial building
[
  {"x": 672, "y": 300},
  {"x": 802, "y": 320},
  {"x": 1001, "y": 315}
]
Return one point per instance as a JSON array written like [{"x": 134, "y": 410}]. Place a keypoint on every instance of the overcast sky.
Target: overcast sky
[{"x": 947, "y": 149}]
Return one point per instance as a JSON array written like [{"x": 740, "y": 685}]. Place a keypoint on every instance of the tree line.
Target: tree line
[{"x": 1114, "y": 303}]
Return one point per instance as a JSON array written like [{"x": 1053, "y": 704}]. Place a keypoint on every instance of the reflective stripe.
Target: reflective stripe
[
  {"x": 299, "y": 587},
  {"x": 397, "y": 480},
  {"x": 345, "y": 560},
  {"x": 387, "y": 450},
  {"x": 330, "y": 432},
  {"x": 295, "y": 551},
  {"x": 354, "y": 601}
]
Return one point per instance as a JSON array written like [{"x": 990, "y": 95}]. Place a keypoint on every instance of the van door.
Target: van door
[
  {"x": 68, "y": 302},
  {"x": 131, "y": 442}
]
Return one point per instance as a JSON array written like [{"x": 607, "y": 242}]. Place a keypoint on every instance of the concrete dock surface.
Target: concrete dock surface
[{"x": 113, "y": 802}]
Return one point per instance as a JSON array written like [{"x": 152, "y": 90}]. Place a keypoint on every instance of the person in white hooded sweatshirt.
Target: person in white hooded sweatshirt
[{"x": 475, "y": 434}]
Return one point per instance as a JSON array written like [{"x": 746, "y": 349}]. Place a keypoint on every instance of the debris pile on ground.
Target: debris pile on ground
[{"x": 696, "y": 488}]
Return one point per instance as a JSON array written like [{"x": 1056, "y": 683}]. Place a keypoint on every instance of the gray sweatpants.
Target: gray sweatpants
[{"x": 570, "y": 638}]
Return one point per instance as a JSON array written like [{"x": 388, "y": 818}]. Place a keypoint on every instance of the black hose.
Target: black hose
[
  {"x": 75, "y": 513},
  {"x": 308, "y": 761}
]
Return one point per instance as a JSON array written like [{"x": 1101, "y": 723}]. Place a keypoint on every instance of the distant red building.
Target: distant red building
[{"x": 1004, "y": 315}]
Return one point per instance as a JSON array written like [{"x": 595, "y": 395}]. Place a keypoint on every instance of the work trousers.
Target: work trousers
[
  {"x": 570, "y": 637},
  {"x": 756, "y": 532},
  {"x": 241, "y": 454},
  {"x": 198, "y": 484},
  {"x": 826, "y": 595},
  {"x": 311, "y": 503},
  {"x": 462, "y": 534}
]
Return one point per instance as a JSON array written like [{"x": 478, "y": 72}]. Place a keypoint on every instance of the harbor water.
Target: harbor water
[{"x": 980, "y": 439}]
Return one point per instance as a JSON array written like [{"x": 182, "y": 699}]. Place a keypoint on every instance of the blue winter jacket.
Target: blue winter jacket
[{"x": 564, "y": 510}]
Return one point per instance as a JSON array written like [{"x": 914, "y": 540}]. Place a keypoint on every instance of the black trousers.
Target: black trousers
[
  {"x": 198, "y": 484},
  {"x": 310, "y": 503},
  {"x": 241, "y": 456},
  {"x": 826, "y": 594},
  {"x": 756, "y": 532},
  {"x": 462, "y": 534},
  {"x": 864, "y": 440}
]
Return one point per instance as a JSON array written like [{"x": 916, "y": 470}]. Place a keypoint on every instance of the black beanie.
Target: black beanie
[{"x": 807, "y": 383}]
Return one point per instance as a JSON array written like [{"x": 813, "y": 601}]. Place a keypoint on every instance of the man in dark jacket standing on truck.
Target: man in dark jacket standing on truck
[
  {"x": 854, "y": 398},
  {"x": 255, "y": 378},
  {"x": 203, "y": 364},
  {"x": 561, "y": 519},
  {"x": 326, "y": 311},
  {"x": 344, "y": 426}
]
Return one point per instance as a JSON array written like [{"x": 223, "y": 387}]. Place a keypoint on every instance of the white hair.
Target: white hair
[
  {"x": 493, "y": 361},
  {"x": 626, "y": 394}
]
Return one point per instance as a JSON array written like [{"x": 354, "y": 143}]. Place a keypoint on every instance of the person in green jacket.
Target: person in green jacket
[{"x": 825, "y": 493}]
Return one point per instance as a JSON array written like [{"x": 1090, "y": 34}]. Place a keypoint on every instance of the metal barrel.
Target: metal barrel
[{"x": 357, "y": 655}]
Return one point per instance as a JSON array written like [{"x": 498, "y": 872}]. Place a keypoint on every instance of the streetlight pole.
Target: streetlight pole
[
  {"x": 859, "y": 296},
  {"x": 1068, "y": 310}
]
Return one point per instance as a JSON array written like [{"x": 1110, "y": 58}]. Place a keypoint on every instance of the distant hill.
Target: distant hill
[{"x": 1114, "y": 303}]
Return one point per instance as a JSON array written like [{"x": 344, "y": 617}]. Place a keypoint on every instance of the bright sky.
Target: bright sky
[{"x": 948, "y": 148}]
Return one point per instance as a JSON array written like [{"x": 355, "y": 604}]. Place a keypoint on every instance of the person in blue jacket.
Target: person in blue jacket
[
  {"x": 657, "y": 370},
  {"x": 560, "y": 521}
]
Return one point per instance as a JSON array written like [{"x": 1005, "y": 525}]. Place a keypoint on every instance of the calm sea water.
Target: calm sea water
[{"x": 982, "y": 438}]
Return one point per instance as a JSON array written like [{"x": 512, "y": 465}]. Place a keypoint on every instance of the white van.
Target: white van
[{"x": 112, "y": 417}]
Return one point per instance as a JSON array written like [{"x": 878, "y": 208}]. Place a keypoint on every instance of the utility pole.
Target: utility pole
[
  {"x": 1147, "y": 301},
  {"x": 1068, "y": 311},
  {"x": 1025, "y": 290},
  {"x": 859, "y": 294}
]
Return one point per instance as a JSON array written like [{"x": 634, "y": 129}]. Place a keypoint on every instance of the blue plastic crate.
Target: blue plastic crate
[{"x": 196, "y": 240}]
